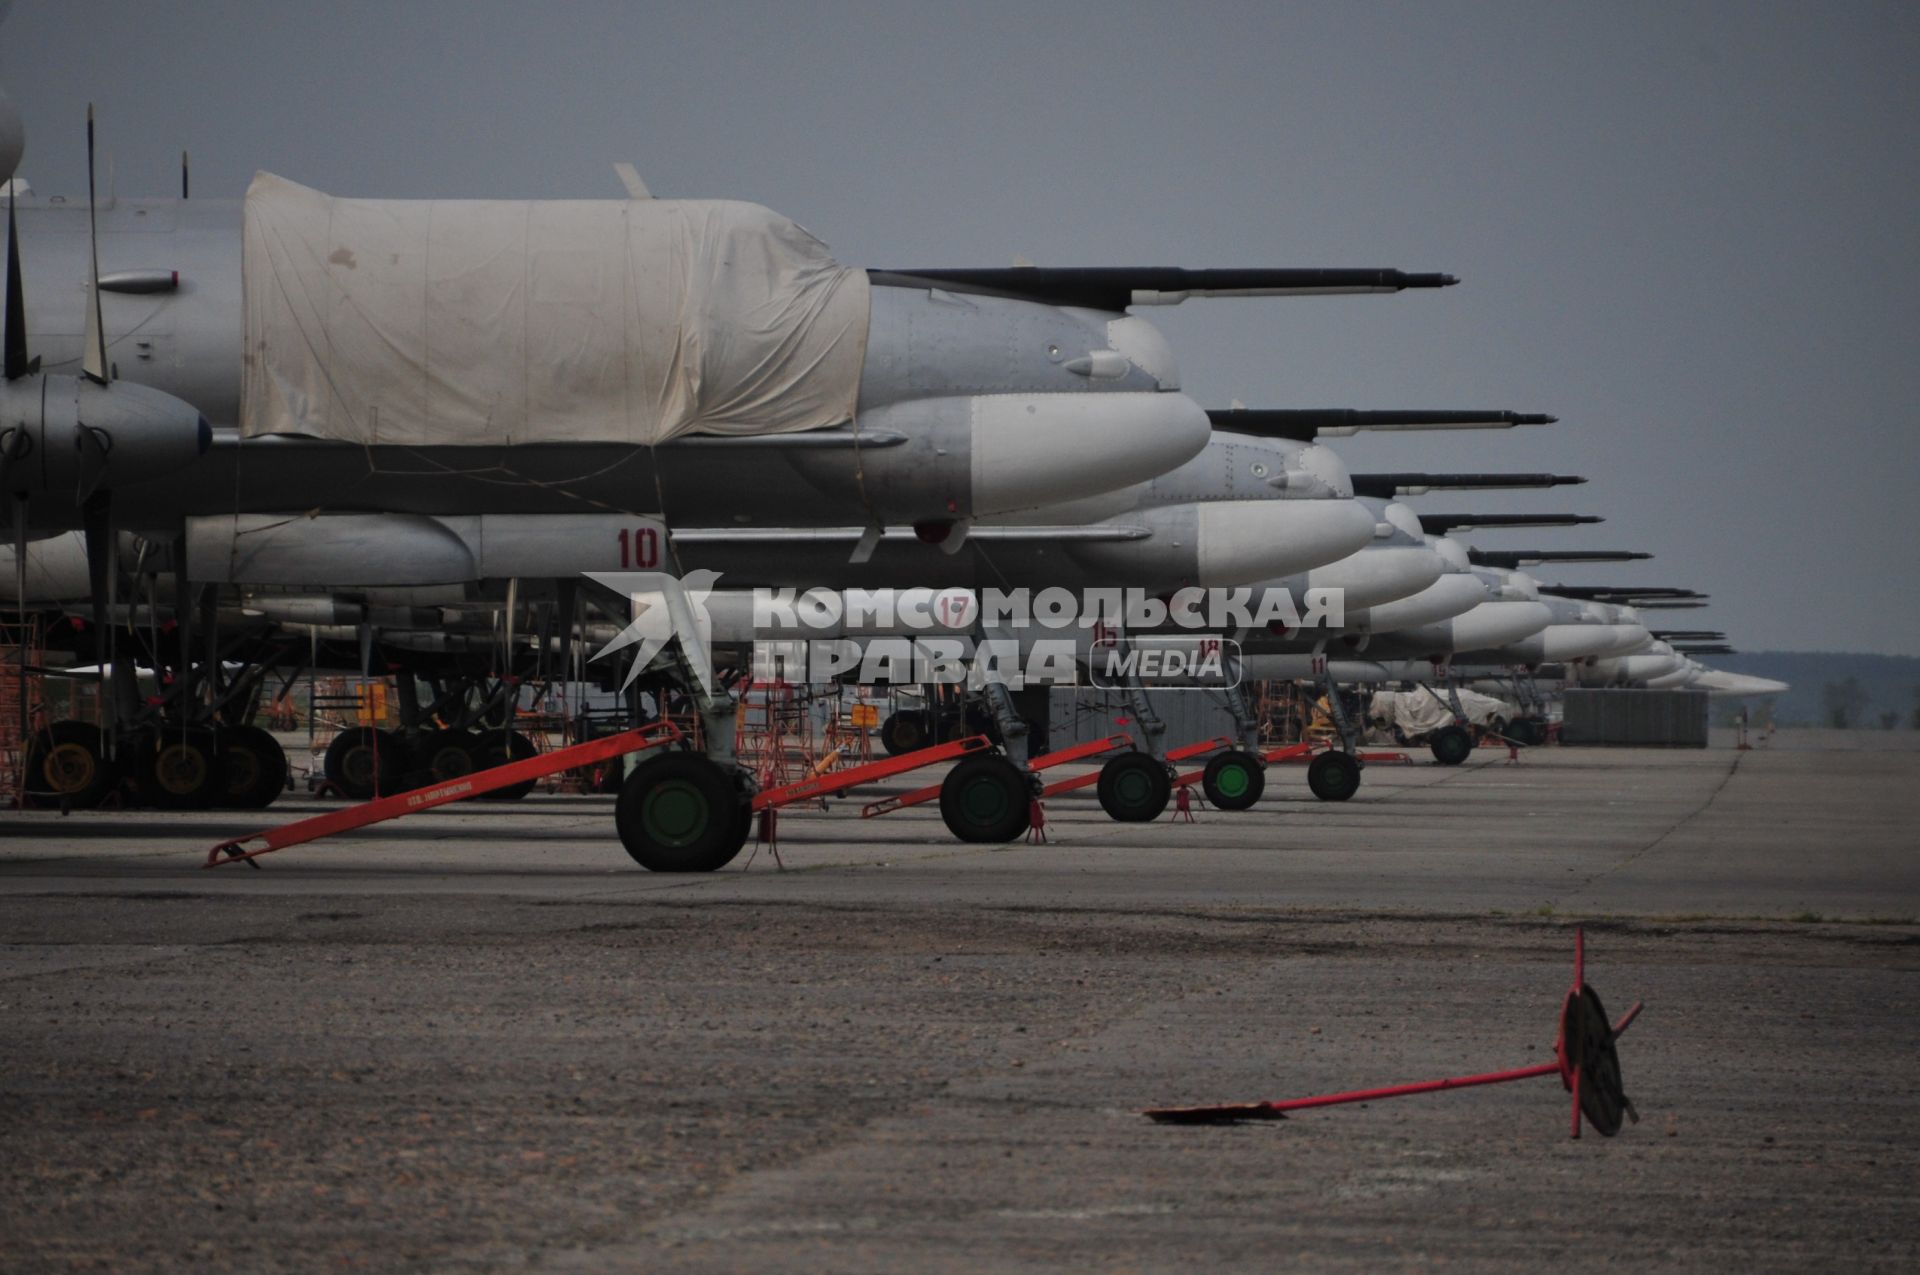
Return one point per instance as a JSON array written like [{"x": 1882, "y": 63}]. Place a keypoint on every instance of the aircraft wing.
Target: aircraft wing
[
  {"x": 1514, "y": 559},
  {"x": 1632, "y": 596},
  {"x": 1405, "y": 484},
  {"x": 1304, "y": 424},
  {"x": 1117, "y": 287},
  {"x": 1441, "y": 524},
  {"x": 1099, "y": 533}
]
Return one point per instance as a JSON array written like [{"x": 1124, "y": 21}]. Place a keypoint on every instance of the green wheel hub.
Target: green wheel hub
[
  {"x": 1233, "y": 780},
  {"x": 1133, "y": 788},
  {"x": 676, "y": 813},
  {"x": 983, "y": 801}
]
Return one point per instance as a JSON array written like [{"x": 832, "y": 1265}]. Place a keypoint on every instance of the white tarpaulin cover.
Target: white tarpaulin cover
[
  {"x": 498, "y": 321},
  {"x": 1416, "y": 712}
]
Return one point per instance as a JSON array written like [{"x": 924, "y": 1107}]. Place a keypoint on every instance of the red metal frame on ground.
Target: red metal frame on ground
[
  {"x": 1181, "y": 753},
  {"x": 853, "y": 776},
  {"x": 1306, "y": 752},
  {"x": 1078, "y": 752},
  {"x": 473, "y": 785},
  {"x": 1566, "y": 1068}
]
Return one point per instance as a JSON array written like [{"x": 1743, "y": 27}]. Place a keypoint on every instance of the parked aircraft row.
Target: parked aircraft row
[{"x": 240, "y": 437}]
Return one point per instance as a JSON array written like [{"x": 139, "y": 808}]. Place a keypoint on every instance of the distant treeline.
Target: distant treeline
[{"x": 1834, "y": 688}]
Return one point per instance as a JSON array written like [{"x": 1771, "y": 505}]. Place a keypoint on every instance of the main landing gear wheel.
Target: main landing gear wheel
[
  {"x": 680, "y": 812},
  {"x": 255, "y": 768},
  {"x": 986, "y": 798},
  {"x": 1234, "y": 779},
  {"x": 903, "y": 732},
  {"x": 67, "y": 766},
  {"x": 445, "y": 754},
  {"x": 488, "y": 751},
  {"x": 1135, "y": 787},
  {"x": 1450, "y": 745},
  {"x": 182, "y": 771},
  {"x": 1530, "y": 731},
  {"x": 1334, "y": 776},
  {"x": 360, "y": 759}
]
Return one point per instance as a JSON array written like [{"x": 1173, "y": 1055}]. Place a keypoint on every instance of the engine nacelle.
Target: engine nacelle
[{"x": 68, "y": 433}]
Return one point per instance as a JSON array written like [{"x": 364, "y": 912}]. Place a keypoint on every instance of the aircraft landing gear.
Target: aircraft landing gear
[
  {"x": 255, "y": 768},
  {"x": 986, "y": 799},
  {"x": 905, "y": 731},
  {"x": 1234, "y": 779},
  {"x": 68, "y": 767},
  {"x": 1451, "y": 745},
  {"x": 445, "y": 754},
  {"x": 362, "y": 759},
  {"x": 488, "y": 750},
  {"x": 1530, "y": 731},
  {"x": 681, "y": 812},
  {"x": 1334, "y": 776},
  {"x": 1135, "y": 787},
  {"x": 181, "y": 770}
]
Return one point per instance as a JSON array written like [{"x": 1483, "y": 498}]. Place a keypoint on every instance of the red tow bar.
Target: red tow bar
[{"x": 1584, "y": 1058}]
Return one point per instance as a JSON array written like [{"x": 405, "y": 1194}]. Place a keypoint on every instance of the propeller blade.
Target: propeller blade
[
  {"x": 17, "y": 363},
  {"x": 20, "y": 598},
  {"x": 566, "y": 602},
  {"x": 15, "y": 443},
  {"x": 93, "y": 446},
  {"x": 97, "y": 522},
  {"x": 94, "y": 361},
  {"x": 20, "y": 555}
]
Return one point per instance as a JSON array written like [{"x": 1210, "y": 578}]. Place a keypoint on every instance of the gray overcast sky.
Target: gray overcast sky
[{"x": 1688, "y": 230}]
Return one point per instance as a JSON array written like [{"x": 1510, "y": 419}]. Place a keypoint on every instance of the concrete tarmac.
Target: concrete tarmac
[{"x": 480, "y": 1038}]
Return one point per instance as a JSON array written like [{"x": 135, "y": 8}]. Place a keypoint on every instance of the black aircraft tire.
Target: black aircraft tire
[
  {"x": 1334, "y": 776},
  {"x": 903, "y": 732},
  {"x": 742, "y": 827},
  {"x": 444, "y": 754},
  {"x": 1451, "y": 745},
  {"x": 680, "y": 812},
  {"x": 255, "y": 768},
  {"x": 986, "y": 799},
  {"x": 67, "y": 765},
  {"x": 361, "y": 757},
  {"x": 487, "y": 753},
  {"x": 181, "y": 770},
  {"x": 1530, "y": 731},
  {"x": 1234, "y": 779},
  {"x": 1134, "y": 788}
]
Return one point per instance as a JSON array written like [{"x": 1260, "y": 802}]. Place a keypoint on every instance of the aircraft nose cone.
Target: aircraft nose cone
[
  {"x": 1375, "y": 576},
  {"x": 1644, "y": 668},
  {"x": 1560, "y": 642},
  {"x": 1494, "y": 624},
  {"x": 1629, "y": 637},
  {"x": 1037, "y": 449},
  {"x": 1455, "y": 593},
  {"x": 1243, "y": 541}
]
